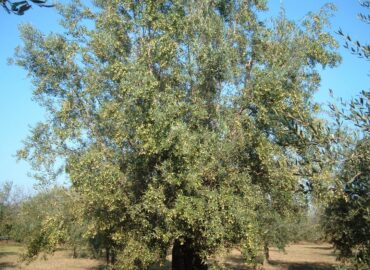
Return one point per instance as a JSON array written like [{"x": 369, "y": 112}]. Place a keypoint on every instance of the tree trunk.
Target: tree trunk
[
  {"x": 107, "y": 255},
  {"x": 267, "y": 252},
  {"x": 186, "y": 257},
  {"x": 113, "y": 256}
]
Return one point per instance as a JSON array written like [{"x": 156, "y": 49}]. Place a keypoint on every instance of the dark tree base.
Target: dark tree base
[
  {"x": 267, "y": 252},
  {"x": 185, "y": 257}
]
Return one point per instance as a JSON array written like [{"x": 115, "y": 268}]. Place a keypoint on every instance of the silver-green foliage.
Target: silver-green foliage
[
  {"x": 178, "y": 119},
  {"x": 45, "y": 220},
  {"x": 5, "y": 209},
  {"x": 346, "y": 221}
]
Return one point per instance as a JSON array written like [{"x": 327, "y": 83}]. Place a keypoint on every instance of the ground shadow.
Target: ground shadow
[
  {"x": 323, "y": 248},
  {"x": 302, "y": 266},
  {"x": 332, "y": 253},
  {"x": 310, "y": 266},
  {"x": 99, "y": 267},
  {"x": 235, "y": 263},
  {"x": 165, "y": 266},
  {"x": 237, "y": 267},
  {"x": 8, "y": 253},
  {"x": 4, "y": 265}
]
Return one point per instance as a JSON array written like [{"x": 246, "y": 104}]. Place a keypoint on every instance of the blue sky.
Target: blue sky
[{"x": 18, "y": 112}]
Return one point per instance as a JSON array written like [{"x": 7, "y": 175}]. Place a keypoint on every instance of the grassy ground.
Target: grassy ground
[
  {"x": 61, "y": 260},
  {"x": 305, "y": 256}
]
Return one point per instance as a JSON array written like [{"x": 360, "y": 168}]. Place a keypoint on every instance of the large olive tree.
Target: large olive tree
[{"x": 178, "y": 121}]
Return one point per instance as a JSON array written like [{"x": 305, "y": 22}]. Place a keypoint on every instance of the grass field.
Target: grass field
[
  {"x": 305, "y": 256},
  {"x": 61, "y": 260}
]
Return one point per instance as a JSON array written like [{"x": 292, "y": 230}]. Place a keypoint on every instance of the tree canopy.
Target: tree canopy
[
  {"x": 358, "y": 47},
  {"x": 180, "y": 122},
  {"x": 346, "y": 219},
  {"x": 347, "y": 215},
  {"x": 20, "y": 7},
  {"x": 5, "y": 208}
]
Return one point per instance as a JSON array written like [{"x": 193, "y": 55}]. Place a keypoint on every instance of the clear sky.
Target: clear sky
[{"x": 18, "y": 112}]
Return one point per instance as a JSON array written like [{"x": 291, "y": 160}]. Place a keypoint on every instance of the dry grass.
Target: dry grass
[
  {"x": 61, "y": 260},
  {"x": 304, "y": 256}
]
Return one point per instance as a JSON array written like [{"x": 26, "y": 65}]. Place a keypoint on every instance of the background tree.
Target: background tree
[
  {"x": 177, "y": 121},
  {"x": 346, "y": 220},
  {"x": 20, "y": 7},
  {"x": 5, "y": 210},
  {"x": 355, "y": 46},
  {"x": 48, "y": 219}
]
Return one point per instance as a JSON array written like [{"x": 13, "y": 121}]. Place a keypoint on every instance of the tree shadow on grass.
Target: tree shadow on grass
[
  {"x": 235, "y": 263},
  {"x": 165, "y": 266},
  {"x": 330, "y": 254},
  {"x": 4, "y": 265},
  {"x": 8, "y": 253},
  {"x": 99, "y": 267},
  {"x": 302, "y": 266},
  {"x": 237, "y": 267},
  {"x": 323, "y": 248}
]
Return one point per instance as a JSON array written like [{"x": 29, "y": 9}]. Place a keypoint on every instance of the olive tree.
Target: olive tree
[
  {"x": 20, "y": 7},
  {"x": 357, "y": 47},
  {"x": 177, "y": 121},
  {"x": 346, "y": 220},
  {"x": 5, "y": 209}
]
